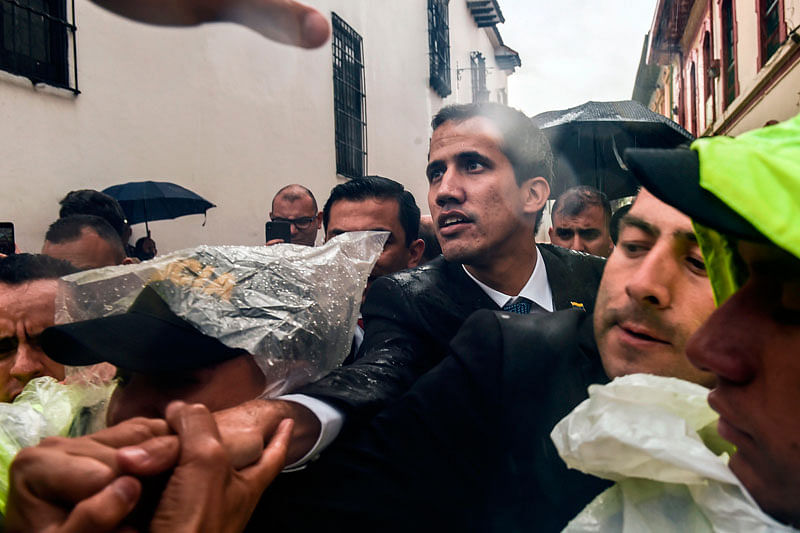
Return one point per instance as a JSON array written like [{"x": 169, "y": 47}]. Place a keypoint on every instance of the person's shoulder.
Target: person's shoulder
[
  {"x": 540, "y": 329},
  {"x": 429, "y": 274},
  {"x": 573, "y": 258}
]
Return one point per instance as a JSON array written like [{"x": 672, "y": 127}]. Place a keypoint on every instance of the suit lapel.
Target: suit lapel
[
  {"x": 566, "y": 290},
  {"x": 465, "y": 292}
]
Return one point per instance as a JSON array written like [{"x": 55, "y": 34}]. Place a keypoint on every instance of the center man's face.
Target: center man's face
[
  {"x": 302, "y": 207},
  {"x": 586, "y": 232},
  {"x": 654, "y": 294},
  {"x": 474, "y": 199},
  {"x": 25, "y": 311},
  {"x": 379, "y": 214},
  {"x": 752, "y": 344}
]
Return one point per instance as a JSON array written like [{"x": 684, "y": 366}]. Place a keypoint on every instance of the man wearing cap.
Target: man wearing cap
[
  {"x": 744, "y": 195},
  {"x": 469, "y": 445}
]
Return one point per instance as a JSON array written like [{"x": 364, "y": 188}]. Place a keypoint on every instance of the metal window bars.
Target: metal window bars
[
  {"x": 477, "y": 67},
  {"x": 439, "y": 46},
  {"x": 349, "y": 100},
  {"x": 770, "y": 28},
  {"x": 37, "y": 39}
]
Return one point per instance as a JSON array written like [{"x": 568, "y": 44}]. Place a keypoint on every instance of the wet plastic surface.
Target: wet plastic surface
[{"x": 293, "y": 307}]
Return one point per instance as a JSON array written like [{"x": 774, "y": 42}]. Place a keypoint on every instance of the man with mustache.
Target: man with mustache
[
  {"x": 744, "y": 192},
  {"x": 468, "y": 447}
]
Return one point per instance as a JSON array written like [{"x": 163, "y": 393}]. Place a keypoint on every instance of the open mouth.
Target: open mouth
[{"x": 453, "y": 219}]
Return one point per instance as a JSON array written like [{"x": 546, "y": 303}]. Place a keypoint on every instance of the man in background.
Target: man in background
[
  {"x": 92, "y": 202},
  {"x": 297, "y": 206},
  {"x": 86, "y": 241},
  {"x": 581, "y": 221},
  {"x": 27, "y": 307},
  {"x": 375, "y": 203}
]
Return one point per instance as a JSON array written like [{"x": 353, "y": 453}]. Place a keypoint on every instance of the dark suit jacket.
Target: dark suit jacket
[
  {"x": 411, "y": 317},
  {"x": 468, "y": 447}
]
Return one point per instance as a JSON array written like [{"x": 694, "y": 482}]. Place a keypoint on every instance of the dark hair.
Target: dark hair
[
  {"x": 432, "y": 247},
  {"x": 91, "y": 202},
  {"x": 69, "y": 229},
  {"x": 17, "y": 269},
  {"x": 616, "y": 219},
  {"x": 138, "y": 249},
  {"x": 575, "y": 200},
  {"x": 524, "y": 144},
  {"x": 294, "y": 192},
  {"x": 358, "y": 189}
]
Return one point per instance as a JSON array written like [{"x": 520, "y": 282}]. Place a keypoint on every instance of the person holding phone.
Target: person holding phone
[{"x": 294, "y": 206}]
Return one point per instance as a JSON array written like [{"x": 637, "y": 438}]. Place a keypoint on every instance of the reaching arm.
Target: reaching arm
[{"x": 284, "y": 21}]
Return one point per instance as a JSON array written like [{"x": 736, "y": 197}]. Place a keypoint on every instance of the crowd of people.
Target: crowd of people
[{"x": 462, "y": 362}]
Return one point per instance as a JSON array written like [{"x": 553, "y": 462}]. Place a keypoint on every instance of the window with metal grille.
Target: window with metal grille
[
  {"x": 349, "y": 100},
  {"x": 769, "y": 19},
  {"x": 439, "y": 46},
  {"x": 477, "y": 66},
  {"x": 35, "y": 41},
  {"x": 728, "y": 54}
]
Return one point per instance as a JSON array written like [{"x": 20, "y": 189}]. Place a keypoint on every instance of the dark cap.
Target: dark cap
[
  {"x": 673, "y": 175},
  {"x": 148, "y": 338}
]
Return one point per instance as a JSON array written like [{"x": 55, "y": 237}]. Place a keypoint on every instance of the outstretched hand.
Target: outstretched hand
[
  {"x": 284, "y": 21},
  {"x": 72, "y": 485}
]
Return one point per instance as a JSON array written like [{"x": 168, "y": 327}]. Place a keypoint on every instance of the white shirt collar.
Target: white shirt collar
[{"x": 537, "y": 289}]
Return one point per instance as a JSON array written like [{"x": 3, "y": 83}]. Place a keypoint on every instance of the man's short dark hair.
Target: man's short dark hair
[
  {"x": 576, "y": 200},
  {"x": 524, "y": 144},
  {"x": 17, "y": 269},
  {"x": 294, "y": 192},
  {"x": 359, "y": 189},
  {"x": 68, "y": 229},
  {"x": 91, "y": 202}
]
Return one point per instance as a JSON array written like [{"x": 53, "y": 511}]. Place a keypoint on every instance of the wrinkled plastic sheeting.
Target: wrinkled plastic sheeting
[
  {"x": 44, "y": 408},
  {"x": 293, "y": 307},
  {"x": 654, "y": 436}
]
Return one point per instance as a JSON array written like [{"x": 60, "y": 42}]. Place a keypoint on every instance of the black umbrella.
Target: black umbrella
[
  {"x": 589, "y": 140},
  {"x": 143, "y": 201}
]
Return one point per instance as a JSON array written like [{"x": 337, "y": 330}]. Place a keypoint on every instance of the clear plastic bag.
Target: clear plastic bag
[
  {"x": 293, "y": 307},
  {"x": 656, "y": 437}
]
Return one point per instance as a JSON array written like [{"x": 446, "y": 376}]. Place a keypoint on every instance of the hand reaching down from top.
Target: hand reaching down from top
[{"x": 284, "y": 21}]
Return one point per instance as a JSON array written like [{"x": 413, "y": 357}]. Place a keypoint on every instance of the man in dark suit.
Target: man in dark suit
[
  {"x": 468, "y": 447},
  {"x": 488, "y": 170}
]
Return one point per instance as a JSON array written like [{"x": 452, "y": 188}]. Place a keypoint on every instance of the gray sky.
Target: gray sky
[{"x": 573, "y": 50}]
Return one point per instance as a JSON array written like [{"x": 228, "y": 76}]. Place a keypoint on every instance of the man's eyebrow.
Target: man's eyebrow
[
  {"x": 685, "y": 235},
  {"x": 636, "y": 222}
]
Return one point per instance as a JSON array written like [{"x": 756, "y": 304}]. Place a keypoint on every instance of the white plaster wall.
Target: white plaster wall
[{"x": 222, "y": 111}]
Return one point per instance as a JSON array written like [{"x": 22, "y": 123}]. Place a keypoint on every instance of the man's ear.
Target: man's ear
[
  {"x": 415, "y": 251},
  {"x": 551, "y": 232},
  {"x": 319, "y": 219},
  {"x": 129, "y": 261},
  {"x": 535, "y": 192}
]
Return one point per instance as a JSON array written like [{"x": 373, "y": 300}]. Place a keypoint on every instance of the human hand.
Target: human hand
[
  {"x": 71, "y": 485},
  {"x": 205, "y": 492},
  {"x": 246, "y": 427},
  {"x": 274, "y": 241},
  {"x": 284, "y": 21}
]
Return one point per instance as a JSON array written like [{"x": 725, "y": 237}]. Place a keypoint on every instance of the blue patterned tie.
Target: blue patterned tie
[{"x": 521, "y": 306}]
